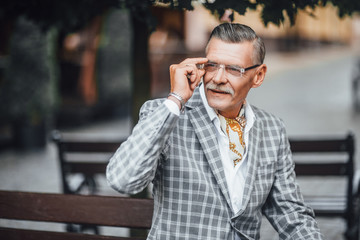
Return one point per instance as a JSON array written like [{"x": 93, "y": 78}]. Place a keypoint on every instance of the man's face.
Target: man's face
[{"x": 220, "y": 83}]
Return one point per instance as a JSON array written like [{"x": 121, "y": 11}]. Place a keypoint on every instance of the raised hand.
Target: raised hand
[{"x": 185, "y": 76}]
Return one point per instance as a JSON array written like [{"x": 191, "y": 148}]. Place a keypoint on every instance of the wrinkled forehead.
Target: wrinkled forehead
[{"x": 230, "y": 53}]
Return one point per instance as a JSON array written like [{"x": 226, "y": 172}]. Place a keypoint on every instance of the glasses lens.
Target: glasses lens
[
  {"x": 210, "y": 67},
  {"x": 233, "y": 71}
]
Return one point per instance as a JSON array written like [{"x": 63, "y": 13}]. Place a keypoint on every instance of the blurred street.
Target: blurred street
[{"x": 310, "y": 90}]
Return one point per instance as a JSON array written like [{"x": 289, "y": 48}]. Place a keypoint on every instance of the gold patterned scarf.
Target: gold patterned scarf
[{"x": 234, "y": 129}]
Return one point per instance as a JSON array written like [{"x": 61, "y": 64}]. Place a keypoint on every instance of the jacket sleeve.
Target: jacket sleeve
[
  {"x": 285, "y": 208},
  {"x": 133, "y": 166}
]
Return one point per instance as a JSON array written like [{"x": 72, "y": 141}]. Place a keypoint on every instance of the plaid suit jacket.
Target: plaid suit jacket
[{"x": 180, "y": 156}]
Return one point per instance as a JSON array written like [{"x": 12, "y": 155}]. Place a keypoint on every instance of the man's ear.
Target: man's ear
[{"x": 259, "y": 76}]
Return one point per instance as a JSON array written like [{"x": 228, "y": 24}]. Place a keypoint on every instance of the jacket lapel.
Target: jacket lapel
[
  {"x": 206, "y": 133},
  {"x": 253, "y": 162}
]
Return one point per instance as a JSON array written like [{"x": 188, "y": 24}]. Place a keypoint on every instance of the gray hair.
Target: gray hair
[{"x": 238, "y": 33}]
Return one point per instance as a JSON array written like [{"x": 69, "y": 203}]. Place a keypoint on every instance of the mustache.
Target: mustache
[{"x": 216, "y": 87}]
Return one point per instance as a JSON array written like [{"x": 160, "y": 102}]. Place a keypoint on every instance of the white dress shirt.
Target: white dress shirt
[{"x": 235, "y": 176}]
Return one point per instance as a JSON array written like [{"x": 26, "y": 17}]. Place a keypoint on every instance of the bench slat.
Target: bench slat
[
  {"x": 329, "y": 213},
  {"x": 22, "y": 234},
  {"x": 332, "y": 206},
  {"x": 337, "y": 145},
  {"x": 321, "y": 169},
  {"x": 87, "y": 168},
  {"x": 97, "y": 210},
  {"x": 90, "y": 146}
]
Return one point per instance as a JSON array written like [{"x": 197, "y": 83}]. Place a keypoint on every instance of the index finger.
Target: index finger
[
  {"x": 198, "y": 63},
  {"x": 200, "y": 60}
]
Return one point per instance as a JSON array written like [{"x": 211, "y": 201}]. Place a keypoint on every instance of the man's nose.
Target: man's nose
[{"x": 219, "y": 76}]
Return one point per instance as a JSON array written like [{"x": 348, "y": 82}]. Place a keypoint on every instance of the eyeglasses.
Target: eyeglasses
[{"x": 236, "y": 71}]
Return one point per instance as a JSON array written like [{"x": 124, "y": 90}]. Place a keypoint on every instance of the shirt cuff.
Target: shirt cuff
[{"x": 172, "y": 106}]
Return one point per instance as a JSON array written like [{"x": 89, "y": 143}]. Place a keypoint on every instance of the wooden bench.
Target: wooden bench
[
  {"x": 89, "y": 158},
  {"x": 338, "y": 162},
  {"x": 71, "y": 208},
  {"x": 345, "y": 206}
]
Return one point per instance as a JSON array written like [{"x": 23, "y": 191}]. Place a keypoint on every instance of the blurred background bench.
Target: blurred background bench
[
  {"x": 314, "y": 158},
  {"x": 331, "y": 157},
  {"x": 85, "y": 157}
]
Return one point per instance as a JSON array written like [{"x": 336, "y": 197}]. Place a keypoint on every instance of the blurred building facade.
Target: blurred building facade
[{"x": 94, "y": 64}]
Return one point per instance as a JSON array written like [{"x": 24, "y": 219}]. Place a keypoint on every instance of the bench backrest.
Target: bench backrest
[
  {"x": 338, "y": 161},
  {"x": 96, "y": 164},
  {"x": 334, "y": 164},
  {"x": 71, "y": 208},
  {"x": 88, "y": 157}
]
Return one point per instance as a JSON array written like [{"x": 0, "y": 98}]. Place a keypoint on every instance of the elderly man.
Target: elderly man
[{"x": 217, "y": 163}]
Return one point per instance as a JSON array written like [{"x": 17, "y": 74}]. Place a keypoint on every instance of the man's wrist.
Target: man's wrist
[
  {"x": 178, "y": 100},
  {"x": 172, "y": 106}
]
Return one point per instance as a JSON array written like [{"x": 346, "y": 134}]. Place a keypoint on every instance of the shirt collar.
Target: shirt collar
[{"x": 249, "y": 113}]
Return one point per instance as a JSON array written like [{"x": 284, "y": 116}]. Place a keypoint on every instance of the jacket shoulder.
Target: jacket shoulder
[{"x": 266, "y": 118}]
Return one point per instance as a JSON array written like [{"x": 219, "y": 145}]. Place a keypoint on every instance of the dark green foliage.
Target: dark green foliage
[
  {"x": 65, "y": 15},
  {"x": 218, "y": 7},
  {"x": 345, "y": 7},
  {"x": 275, "y": 11},
  {"x": 69, "y": 15}
]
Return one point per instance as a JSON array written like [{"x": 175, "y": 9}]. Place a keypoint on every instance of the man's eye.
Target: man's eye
[
  {"x": 210, "y": 66},
  {"x": 233, "y": 70}
]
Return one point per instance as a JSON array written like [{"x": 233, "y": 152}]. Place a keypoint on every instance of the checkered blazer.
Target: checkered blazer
[{"x": 180, "y": 156}]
